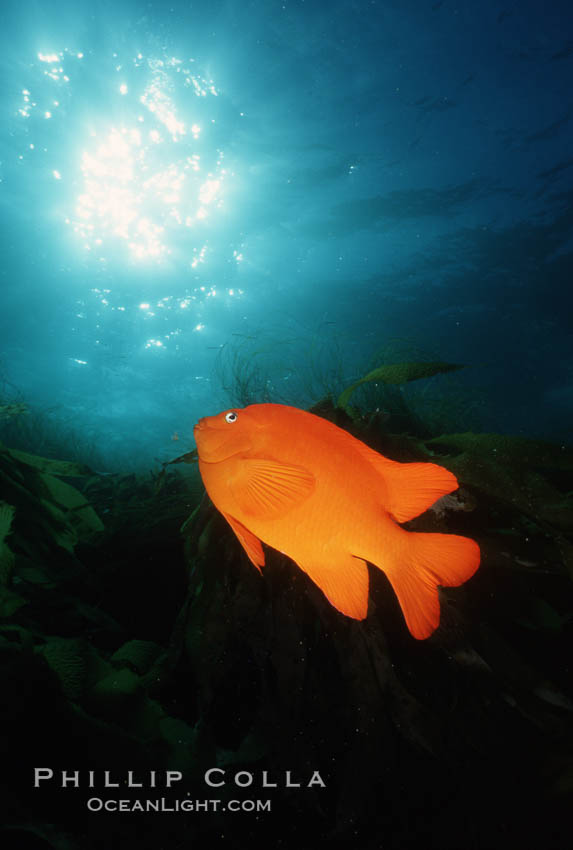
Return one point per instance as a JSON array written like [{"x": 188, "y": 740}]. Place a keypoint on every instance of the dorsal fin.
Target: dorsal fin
[
  {"x": 267, "y": 489},
  {"x": 412, "y": 487}
]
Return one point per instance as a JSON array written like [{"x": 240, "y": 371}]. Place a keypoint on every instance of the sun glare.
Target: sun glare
[{"x": 147, "y": 178}]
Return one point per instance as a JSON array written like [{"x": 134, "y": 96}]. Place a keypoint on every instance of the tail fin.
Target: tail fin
[{"x": 425, "y": 561}]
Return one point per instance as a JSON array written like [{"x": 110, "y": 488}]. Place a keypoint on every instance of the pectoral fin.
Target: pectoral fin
[
  {"x": 250, "y": 543},
  {"x": 267, "y": 489}
]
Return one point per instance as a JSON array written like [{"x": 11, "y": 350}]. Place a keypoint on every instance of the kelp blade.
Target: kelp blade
[{"x": 397, "y": 373}]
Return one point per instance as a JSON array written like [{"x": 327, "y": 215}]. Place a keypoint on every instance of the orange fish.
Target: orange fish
[{"x": 313, "y": 491}]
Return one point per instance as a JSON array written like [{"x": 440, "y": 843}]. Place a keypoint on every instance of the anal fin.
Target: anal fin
[{"x": 344, "y": 582}]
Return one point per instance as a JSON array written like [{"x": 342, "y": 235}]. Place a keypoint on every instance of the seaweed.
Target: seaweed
[
  {"x": 10, "y": 409},
  {"x": 131, "y": 615},
  {"x": 397, "y": 373},
  {"x": 515, "y": 470},
  {"x": 270, "y": 366},
  {"x": 92, "y": 679},
  {"x": 243, "y": 370}
]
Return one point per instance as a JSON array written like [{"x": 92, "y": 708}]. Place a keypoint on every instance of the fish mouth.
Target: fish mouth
[{"x": 200, "y": 425}]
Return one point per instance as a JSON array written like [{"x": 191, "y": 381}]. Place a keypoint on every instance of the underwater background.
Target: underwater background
[{"x": 358, "y": 207}]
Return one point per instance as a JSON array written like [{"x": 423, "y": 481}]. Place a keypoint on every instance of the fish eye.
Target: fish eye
[{"x": 231, "y": 417}]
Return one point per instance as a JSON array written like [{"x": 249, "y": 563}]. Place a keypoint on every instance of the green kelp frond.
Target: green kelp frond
[
  {"x": 78, "y": 510},
  {"x": 514, "y": 470},
  {"x": 533, "y": 453},
  {"x": 69, "y": 659},
  {"x": 119, "y": 686},
  {"x": 397, "y": 373},
  {"x": 43, "y": 510},
  {"x": 138, "y": 655},
  {"x": 10, "y": 602},
  {"x": 8, "y": 410},
  {"x": 6, "y": 516},
  {"x": 6, "y": 555},
  {"x": 540, "y": 615},
  {"x": 65, "y": 468}
]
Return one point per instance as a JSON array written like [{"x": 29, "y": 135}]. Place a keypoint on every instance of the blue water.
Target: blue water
[{"x": 297, "y": 184}]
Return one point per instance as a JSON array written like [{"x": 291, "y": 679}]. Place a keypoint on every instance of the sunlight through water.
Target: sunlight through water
[{"x": 145, "y": 178}]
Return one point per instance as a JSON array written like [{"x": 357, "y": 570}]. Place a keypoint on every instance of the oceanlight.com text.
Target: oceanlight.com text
[{"x": 98, "y": 804}]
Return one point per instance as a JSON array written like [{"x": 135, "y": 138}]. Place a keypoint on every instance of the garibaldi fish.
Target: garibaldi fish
[{"x": 314, "y": 492}]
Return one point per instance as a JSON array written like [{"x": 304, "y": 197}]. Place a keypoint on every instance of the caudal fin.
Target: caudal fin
[{"x": 424, "y": 562}]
